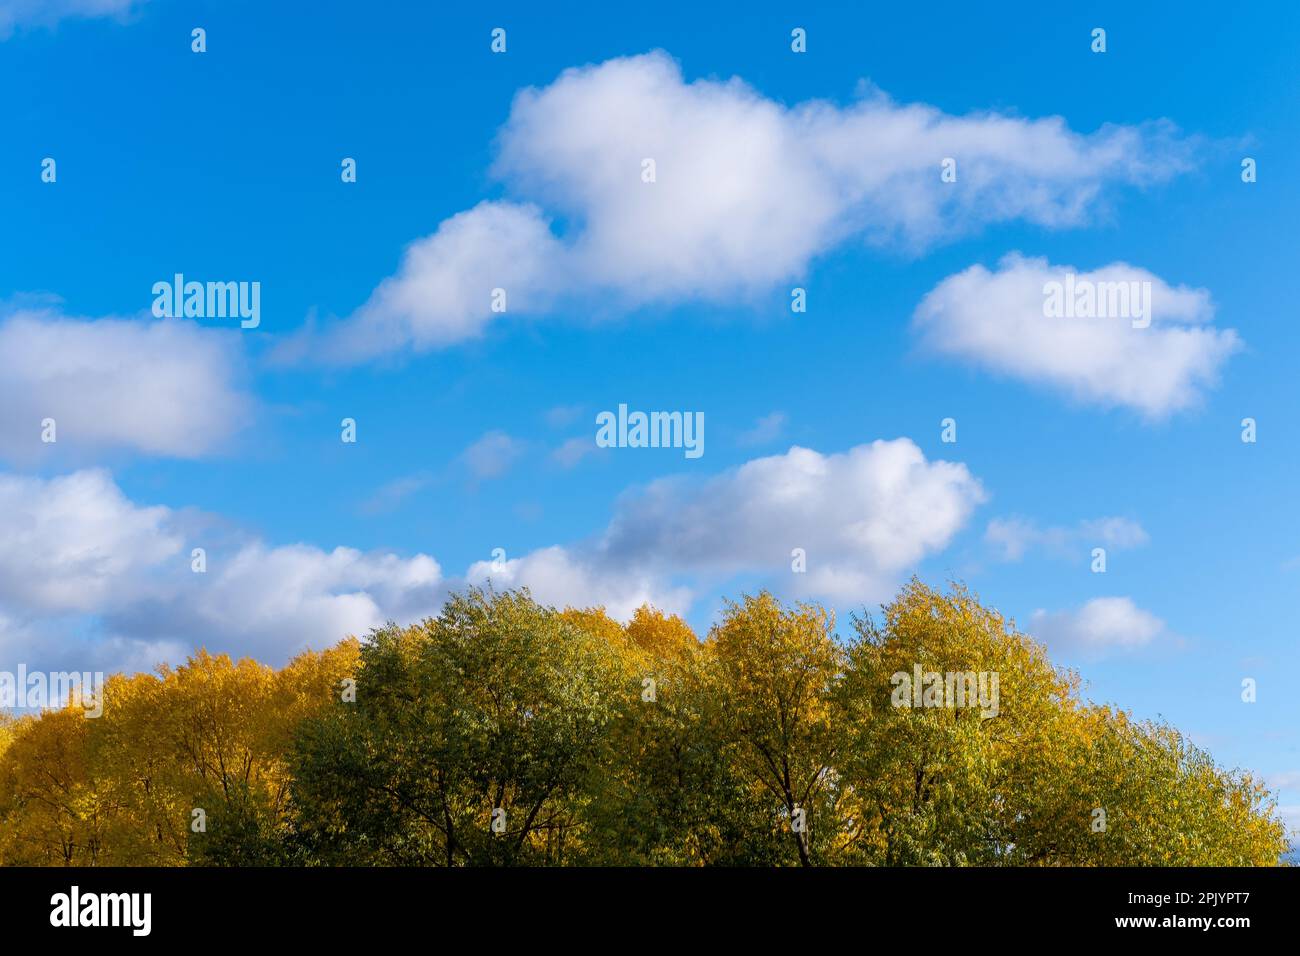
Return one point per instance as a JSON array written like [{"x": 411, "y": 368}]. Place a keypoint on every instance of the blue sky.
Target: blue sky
[{"x": 476, "y": 431}]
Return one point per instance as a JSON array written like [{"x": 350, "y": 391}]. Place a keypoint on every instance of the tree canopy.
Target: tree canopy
[{"x": 505, "y": 732}]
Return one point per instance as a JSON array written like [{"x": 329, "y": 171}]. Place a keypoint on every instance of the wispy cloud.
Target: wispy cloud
[
  {"x": 562, "y": 416},
  {"x": 492, "y": 455},
  {"x": 765, "y": 431},
  {"x": 574, "y": 450},
  {"x": 390, "y": 496},
  {"x": 47, "y": 13},
  {"x": 1102, "y": 626},
  {"x": 1014, "y": 537}
]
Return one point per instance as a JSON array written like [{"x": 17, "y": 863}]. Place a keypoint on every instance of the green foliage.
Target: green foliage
[{"x": 499, "y": 708}]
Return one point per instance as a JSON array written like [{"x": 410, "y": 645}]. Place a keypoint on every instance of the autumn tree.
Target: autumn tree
[
  {"x": 1139, "y": 793},
  {"x": 189, "y": 765},
  {"x": 469, "y": 743},
  {"x": 672, "y": 789},
  {"x": 49, "y": 815},
  {"x": 1033, "y": 776},
  {"x": 776, "y": 673}
]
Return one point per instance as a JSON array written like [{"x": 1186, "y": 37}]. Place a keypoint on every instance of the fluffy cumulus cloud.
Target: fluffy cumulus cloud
[
  {"x": 78, "y": 559},
  {"x": 89, "y": 577},
  {"x": 1101, "y": 626},
  {"x": 166, "y": 388},
  {"x": 46, "y": 13},
  {"x": 68, "y": 544},
  {"x": 746, "y": 193},
  {"x": 1004, "y": 320},
  {"x": 273, "y": 601},
  {"x": 447, "y": 287},
  {"x": 581, "y": 578},
  {"x": 862, "y": 518}
]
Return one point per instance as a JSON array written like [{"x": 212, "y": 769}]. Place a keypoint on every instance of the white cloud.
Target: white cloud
[
  {"x": 1285, "y": 780},
  {"x": 1100, "y": 626},
  {"x": 91, "y": 580},
  {"x": 996, "y": 320},
  {"x": 567, "y": 577},
  {"x": 443, "y": 292},
  {"x": 864, "y": 517},
  {"x": 492, "y": 455},
  {"x": 747, "y": 193},
  {"x": 274, "y": 601},
  {"x": 877, "y": 508},
  {"x": 1014, "y": 537},
  {"x": 1114, "y": 532},
  {"x": 69, "y": 544},
  {"x": 77, "y": 555},
  {"x": 54, "y": 644},
  {"x": 46, "y": 13},
  {"x": 165, "y": 388},
  {"x": 748, "y": 190}
]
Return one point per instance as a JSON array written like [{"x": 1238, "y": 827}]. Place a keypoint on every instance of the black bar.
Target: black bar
[{"x": 947, "y": 906}]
